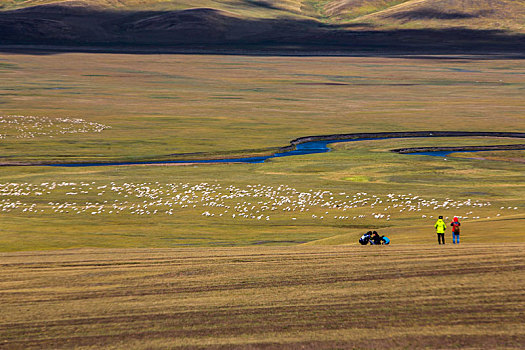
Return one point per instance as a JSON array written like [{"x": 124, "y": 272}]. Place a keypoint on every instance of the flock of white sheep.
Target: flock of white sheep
[
  {"x": 27, "y": 127},
  {"x": 213, "y": 200},
  {"x": 251, "y": 202}
]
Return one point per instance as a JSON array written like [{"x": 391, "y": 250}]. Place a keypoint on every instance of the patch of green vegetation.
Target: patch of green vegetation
[
  {"x": 360, "y": 178},
  {"x": 5, "y": 66},
  {"x": 368, "y": 8},
  {"x": 316, "y": 9}
]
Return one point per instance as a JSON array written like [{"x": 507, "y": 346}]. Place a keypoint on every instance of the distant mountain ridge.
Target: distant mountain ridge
[{"x": 377, "y": 25}]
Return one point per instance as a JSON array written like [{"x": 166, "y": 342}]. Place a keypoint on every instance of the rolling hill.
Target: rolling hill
[
  {"x": 369, "y": 25},
  {"x": 480, "y": 14}
]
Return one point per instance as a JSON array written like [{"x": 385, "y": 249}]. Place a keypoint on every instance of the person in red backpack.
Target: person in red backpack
[{"x": 455, "y": 229}]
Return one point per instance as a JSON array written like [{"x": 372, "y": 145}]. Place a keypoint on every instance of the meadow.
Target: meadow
[
  {"x": 107, "y": 107},
  {"x": 396, "y": 297},
  {"x": 223, "y": 256},
  {"x": 158, "y": 105}
]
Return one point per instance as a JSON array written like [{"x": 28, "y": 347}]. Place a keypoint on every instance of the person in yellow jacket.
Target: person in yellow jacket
[{"x": 440, "y": 229}]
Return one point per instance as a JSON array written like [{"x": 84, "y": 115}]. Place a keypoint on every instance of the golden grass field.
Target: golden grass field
[{"x": 337, "y": 297}]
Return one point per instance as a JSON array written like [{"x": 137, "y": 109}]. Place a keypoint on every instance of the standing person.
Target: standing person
[
  {"x": 440, "y": 229},
  {"x": 455, "y": 229}
]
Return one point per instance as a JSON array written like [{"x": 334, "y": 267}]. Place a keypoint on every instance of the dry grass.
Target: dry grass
[
  {"x": 391, "y": 14},
  {"x": 420, "y": 296},
  {"x": 509, "y": 156},
  {"x": 481, "y": 14}
]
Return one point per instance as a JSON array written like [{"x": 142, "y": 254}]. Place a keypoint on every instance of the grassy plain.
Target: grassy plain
[
  {"x": 164, "y": 104},
  {"x": 397, "y": 297},
  {"x": 317, "y": 289},
  {"x": 157, "y": 105}
]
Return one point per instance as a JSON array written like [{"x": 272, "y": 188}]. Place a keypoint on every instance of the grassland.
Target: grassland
[
  {"x": 257, "y": 255},
  {"x": 503, "y": 15},
  {"x": 163, "y": 104},
  {"x": 157, "y": 105},
  {"x": 394, "y": 297}
]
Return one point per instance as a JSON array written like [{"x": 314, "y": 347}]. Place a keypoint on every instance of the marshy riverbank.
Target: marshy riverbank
[{"x": 316, "y": 144}]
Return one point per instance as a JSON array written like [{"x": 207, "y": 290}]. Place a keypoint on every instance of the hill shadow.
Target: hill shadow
[
  {"x": 58, "y": 28},
  {"x": 434, "y": 14}
]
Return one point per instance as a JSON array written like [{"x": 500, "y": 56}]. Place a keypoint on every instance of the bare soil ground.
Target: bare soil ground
[{"x": 419, "y": 296}]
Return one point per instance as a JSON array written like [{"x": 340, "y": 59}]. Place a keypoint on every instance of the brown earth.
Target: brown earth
[{"x": 419, "y": 296}]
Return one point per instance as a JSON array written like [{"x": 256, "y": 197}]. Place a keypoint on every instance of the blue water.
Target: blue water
[
  {"x": 312, "y": 147},
  {"x": 438, "y": 153},
  {"x": 445, "y": 154}
]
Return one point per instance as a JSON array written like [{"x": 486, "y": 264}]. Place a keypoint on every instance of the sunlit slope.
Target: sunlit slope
[
  {"x": 341, "y": 10},
  {"x": 153, "y": 22},
  {"x": 370, "y": 25},
  {"x": 479, "y": 14},
  {"x": 473, "y": 14},
  {"x": 257, "y": 9}
]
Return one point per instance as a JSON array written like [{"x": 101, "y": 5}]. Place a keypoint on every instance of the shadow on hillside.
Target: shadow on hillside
[
  {"x": 433, "y": 14},
  {"x": 74, "y": 28}
]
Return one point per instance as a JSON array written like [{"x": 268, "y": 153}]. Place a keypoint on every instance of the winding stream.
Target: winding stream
[{"x": 319, "y": 144}]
